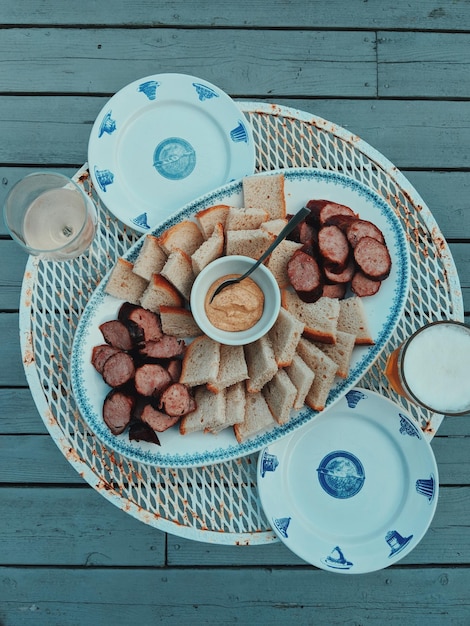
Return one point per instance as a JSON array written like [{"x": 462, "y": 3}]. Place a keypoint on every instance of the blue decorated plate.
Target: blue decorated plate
[
  {"x": 354, "y": 490},
  {"x": 162, "y": 141},
  {"x": 383, "y": 312}
]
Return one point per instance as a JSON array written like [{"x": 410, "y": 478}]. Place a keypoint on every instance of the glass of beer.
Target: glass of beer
[
  {"x": 50, "y": 216},
  {"x": 432, "y": 368}
]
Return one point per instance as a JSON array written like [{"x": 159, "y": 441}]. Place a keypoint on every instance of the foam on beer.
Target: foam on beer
[{"x": 436, "y": 367}]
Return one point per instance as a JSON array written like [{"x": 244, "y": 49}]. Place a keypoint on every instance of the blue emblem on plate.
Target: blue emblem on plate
[
  {"x": 149, "y": 88},
  {"x": 269, "y": 463},
  {"x": 407, "y": 427},
  {"x": 108, "y": 125},
  {"x": 282, "y": 524},
  {"x": 341, "y": 474},
  {"x": 426, "y": 487},
  {"x": 141, "y": 220},
  {"x": 353, "y": 397},
  {"x": 174, "y": 158},
  {"x": 337, "y": 560},
  {"x": 396, "y": 542},
  {"x": 204, "y": 92},
  {"x": 104, "y": 178},
  {"x": 239, "y": 133}
]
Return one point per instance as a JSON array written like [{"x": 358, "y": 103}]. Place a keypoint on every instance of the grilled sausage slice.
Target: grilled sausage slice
[
  {"x": 334, "y": 248},
  {"x": 118, "y": 370},
  {"x": 157, "y": 420},
  {"x": 363, "y": 286},
  {"x": 305, "y": 276},
  {"x": 147, "y": 321},
  {"x": 116, "y": 334},
  {"x": 140, "y": 431},
  {"x": 177, "y": 401},
  {"x": 117, "y": 410},
  {"x": 362, "y": 228},
  {"x": 167, "y": 347},
  {"x": 151, "y": 379},
  {"x": 373, "y": 258},
  {"x": 100, "y": 354}
]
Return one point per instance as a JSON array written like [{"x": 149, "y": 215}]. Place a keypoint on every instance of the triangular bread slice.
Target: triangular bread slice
[
  {"x": 261, "y": 363},
  {"x": 257, "y": 417},
  {"x": 209, "y": 250},
  {"x": 201, "y": 362},
  {"x": 352, "y": 319},
  {"x": 266, "y": 192},
  {"x": 232, "y": 368},
  {"x": 340, "y": 352},
  {"x": 285, "y": 335},
  {"x": 185, "y": 235},
  {"x": 245, "y": 219},
  {"x": 280, "y": 394},
  {"x": 302, "y": 376},
  {"x": 209, "y": 414},
  {"x": 251, "y": 243},
  {"x": 124, "y": 284},
  {"x": 159, "y": 292},
  {"x": 274, "y": 227},
  {"x": 208, "y": 218},
  {"x": 235, "y": 399},
  {"x": 179, "y": 322},
  {"x": 325, "y": 370},
  {"x": 178, "y": 270},
  {"x": 278, "y": 260},
  {"x": 151, "y": 258},
  {"x": 320, "y": 318}
]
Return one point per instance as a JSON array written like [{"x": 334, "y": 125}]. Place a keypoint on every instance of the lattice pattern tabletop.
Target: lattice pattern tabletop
[{"x": 217, "y": 503}]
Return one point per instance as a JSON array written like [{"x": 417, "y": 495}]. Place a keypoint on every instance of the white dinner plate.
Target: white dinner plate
[
  {"x": 164, "y": 140},
  {"x": 383, "y": 312},
  {"x": 354, "y": 490}
]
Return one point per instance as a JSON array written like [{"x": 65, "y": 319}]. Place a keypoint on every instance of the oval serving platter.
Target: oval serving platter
[
  {"x": 353, "y": 491},
  {"x": 383, "y": 312},
  {"x": 163, "y": 140}
]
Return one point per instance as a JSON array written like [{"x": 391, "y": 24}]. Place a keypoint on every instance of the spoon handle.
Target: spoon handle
[{"x": 289, "y": 227}]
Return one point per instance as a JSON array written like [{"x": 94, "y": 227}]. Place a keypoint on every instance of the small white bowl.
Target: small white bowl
[{"x": 224, "y": 266}]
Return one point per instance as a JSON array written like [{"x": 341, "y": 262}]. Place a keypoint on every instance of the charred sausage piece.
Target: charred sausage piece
[
  {"x": 174, "y": 369},
  {"x": 343, "y": 277},
  {"x": 139, "y": 431},
  {"x": 362, "y": 228},
  {"x": 100, "y": 354},
  {"x": 315, "y": 207},
  {"x": 305, "y": 276},
  {"x": 332, "y": 208},
  {"x": 136, "y": 333},
  {"x": 165, "y": 348},
  {"x": 118, "y": 370},
  {"x": 151, "y": 379},
  {"x": 177, "y": 401},
  {"x": 341, "y": 221},
  {"x": 307, "y": 233},
  {"x": 117, "y": 410},
  {"x": 337, "y": 290},
  {"x": 363, "y": 286},
  {"x": 147, "y": 321},
  {"x": 334, "y": 248},
  {"x": 373, "y": 258},
  {"x": 117, "y": 335},
  {"x": 157, "y": 420}
]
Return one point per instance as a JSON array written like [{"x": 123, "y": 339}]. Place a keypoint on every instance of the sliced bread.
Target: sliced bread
[
  {"x": 185, "y": 235},
  {"x": 124, "y": 284},
  {"x": 160, "y": 292},
  {"x": 325, "y": 370},
  {"x": 245, "y": 219},
  {"x": 208, "y": 218},
  {"x": 232, "y": 368},
  {"x": 234, "y": 406},
  {"x": 302, "y": 376},
  {"x": 201, "y": 362},
  {"x": 274, "y": 227},
  {"x": 257, "y": 417},
  {"x": 285, "y": 335},
  {"x": 151, "y": 258},
  {"x": 251, "y": 243},
  {"x": 352, "y": 319},
  {"x": 320, "y": 318},
  {"x": 178, "y": 271},
  {"x": 340, "y": 352},
  {"x": 209, "y": 250},
  {"x": 280, "y": 394},
  {"x": 266, "y": 192},
  {"x": 209, "y": 414},
  {"x": 278, "y": 260},
  {"x": 179, "y": 322},
  {"x": 261, "y": 363}
]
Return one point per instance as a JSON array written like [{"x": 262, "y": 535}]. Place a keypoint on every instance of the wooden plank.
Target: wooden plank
[
  {"x": 311, "y": 62},
  {"x": 428, "y": 65},
  {"x": 11, "y": 372},
  {"x": 19, "y": 413},
  {"x": 63, "y": 526},
  {"x": 461, "y": 255},
  {"x": 411, "y": 134},
  {"x": 11, "y": 274},
  {"x": 402, "y": 14},
  {"x": 210, "y": 596}
]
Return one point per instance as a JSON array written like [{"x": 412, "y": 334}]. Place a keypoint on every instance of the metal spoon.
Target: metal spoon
[{"x": 289, "y": 227}]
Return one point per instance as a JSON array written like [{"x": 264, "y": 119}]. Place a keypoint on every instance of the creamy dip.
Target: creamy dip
[{"x": 237, "y": 307}]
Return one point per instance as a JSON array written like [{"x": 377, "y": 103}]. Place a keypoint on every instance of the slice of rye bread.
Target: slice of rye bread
[
  {"x": 209, "y": 413},
  {"x": 185, "y": 235},
  {"x": 151, "y": 258},
  {"x": 352, "y": 319},
  {"x": 200, "y": 362},
  {"x": 280, "y": 393},
  {"x": 124, "y": 284},
  {"x": 160, "y": 292},
  {"x": 302, "y": 376},
  {"x": 209, "y": 250},
  {"x": 178, "y": 270},
  {"x": 285, "y": 334},
  {"x": 257, "y": 417},
  {"x": 320, "y": 318},
  {"x": 208, "y": 218},
  {"x": 232, "y": 368},
  {"x": 179, "y": 322},
  {"x": 245, "y": 219},
  {"x": 251, "y": 243},
  {"x": 235, "y": 398},
  {"x": 261, "y": 363},
  {"x": 340, "y": 352},
  {"x": 325, "y": 371},
  {"x": 278, "y": 260},
  {"x": 265, "y": 191}
]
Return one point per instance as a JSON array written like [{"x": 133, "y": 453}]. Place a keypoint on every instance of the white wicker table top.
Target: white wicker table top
[{"x": 217, "y": 503}]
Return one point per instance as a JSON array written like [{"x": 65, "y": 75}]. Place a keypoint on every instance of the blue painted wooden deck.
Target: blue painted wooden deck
[{"x": 395, "y": 73}]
